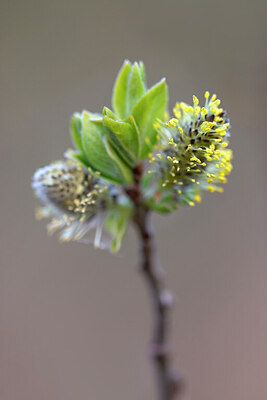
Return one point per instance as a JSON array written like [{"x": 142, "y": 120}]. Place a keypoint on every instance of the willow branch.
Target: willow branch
[{"x": 168, "y": 381}]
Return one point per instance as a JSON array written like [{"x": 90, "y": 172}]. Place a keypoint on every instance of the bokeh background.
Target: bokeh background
[{"x": 75, "y": 321}]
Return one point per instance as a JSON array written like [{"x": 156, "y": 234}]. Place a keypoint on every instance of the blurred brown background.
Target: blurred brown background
[{"x": 75, "y": 321}]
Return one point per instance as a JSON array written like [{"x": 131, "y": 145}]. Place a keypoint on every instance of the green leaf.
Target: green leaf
[
  {"x": 78, "y": 156},
  {"x": 150, "y": 107},
  {"x": 127, "y": 135},
  {"x": 76, "y": 130},
  {"x": 128, "y": 89},
  {"x": 120, "y": 88},
  {"x": 120, "y": 150},
  {"x": 116, "y": 154},
  {"x": 164, "y": 204},
  {"x": 116, "y": 224},
  {"x": 107, "y": 112},
  {"x": 142, "y": 72},
  {"x": 161, "y": 208},
  {"x": 133, "y": 139},
  {"x": 93, "y": 133},
  {"x": 135, "y": 89}
]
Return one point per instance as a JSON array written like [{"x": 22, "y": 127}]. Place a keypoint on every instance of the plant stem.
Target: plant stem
[{"x": 168, "y": 382}]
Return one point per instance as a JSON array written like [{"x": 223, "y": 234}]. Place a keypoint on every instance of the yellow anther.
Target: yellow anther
[
  {"x": 217, "y": 166},
  {"x": 224, "y": 144},
  {"x": 195, "y": 100},
  {"x": 191, "y": 203},
  {"x": 159, "y": 156},
  {"x": 211, "y": 189},
  {"x": 194, "y": 158},
  {"x": 177, "y": 113},
  {"x": 198, "y": 198},
  {"x": 204, "y": 111},
  {"x": 213, "y": 98},
  {"x": 220, "y": 129},
  {"x": 212, "y": 147},
  {"x": 207, "y": 94},
  {"x": 197, "y": 110},
  {"x": 220, "y": 190},
  {"x": 180, "y": 129},
  {"x": 179, "y": 191},
  {"x": 172, "y": 123}
]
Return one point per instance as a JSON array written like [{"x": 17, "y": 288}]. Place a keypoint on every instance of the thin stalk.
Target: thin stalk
[{"x": 169, "y": 383}]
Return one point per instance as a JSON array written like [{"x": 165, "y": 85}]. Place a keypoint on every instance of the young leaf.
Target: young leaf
[
  {"x": 76, "y": 130},
  {"x": 162, "y": 208},
  {"x": 78, "y": 156},
  {"x": 127, "y": 134},
  {"x": 107, "y": 112},
  {"x": 142, "y": 72},
  {"x": 125, "y": 156},
  {"x": 163, "y": 202},
  {"x": 115, "y": 152},
  {"x": 93, "y": 133},
  {"x": 120, "y": 89},
  {"x": 133, "y": 140},
  {"x": 150, "y": 107},
  {"x": 128, "y": 89},
  {"x": 135, "y": 89},
  {"x": 116, "y": 225}
]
